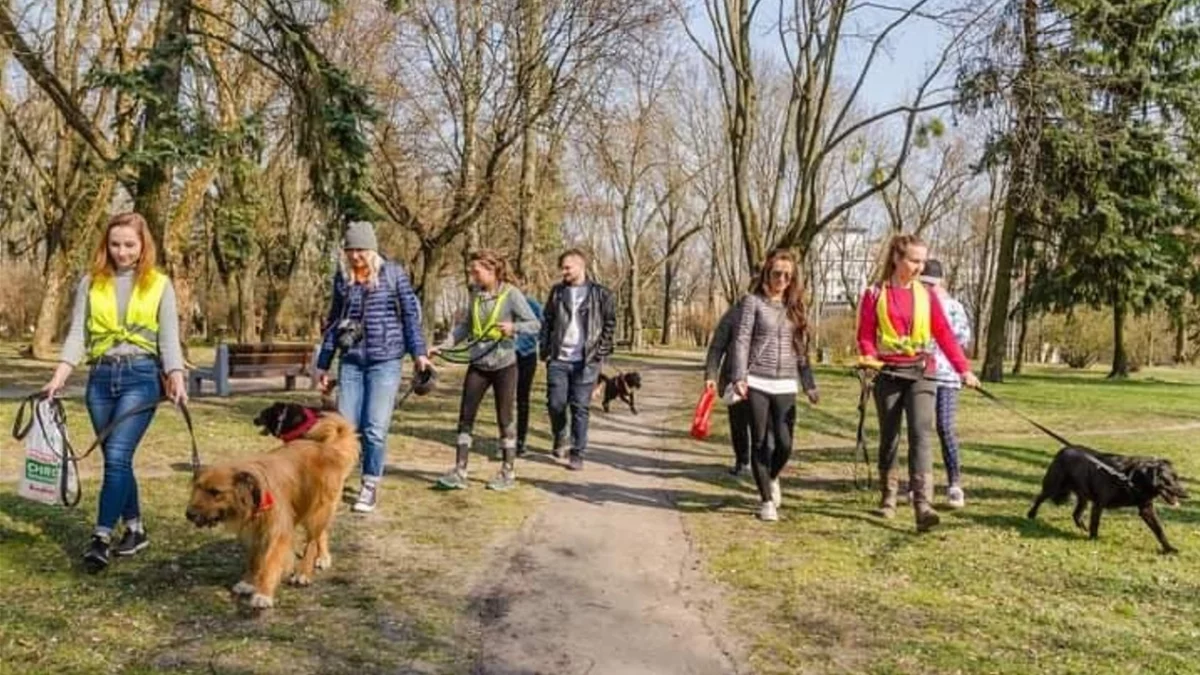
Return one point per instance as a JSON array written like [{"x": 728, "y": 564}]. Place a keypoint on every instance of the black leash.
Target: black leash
[
  {"x": 862, "y": 455},
  {"x": 992, "y": 397},
  {"x": 70, "y": 458}
]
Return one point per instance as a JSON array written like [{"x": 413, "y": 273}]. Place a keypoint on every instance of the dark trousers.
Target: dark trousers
[
  {"x": 569, "y": 384},
  {"x": 740, "y": 434},
  {"x": 898, "y": 399},
  {"x": 773, "y": 417},
  {"x": 526, "y": 369}
]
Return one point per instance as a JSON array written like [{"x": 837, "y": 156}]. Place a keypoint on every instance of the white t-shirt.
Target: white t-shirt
[
  {"x": 769, "y": 385},
  {"x": 573, "y": 340}
]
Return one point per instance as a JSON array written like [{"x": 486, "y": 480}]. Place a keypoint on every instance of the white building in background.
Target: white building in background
[{"x": 845, "y": 260}]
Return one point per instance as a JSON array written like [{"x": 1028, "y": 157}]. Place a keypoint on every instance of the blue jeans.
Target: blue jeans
[
  {"x": 367, "y": 397},
  {"x": 112, "y": 390},
  {"x": 570, "y": 383}
]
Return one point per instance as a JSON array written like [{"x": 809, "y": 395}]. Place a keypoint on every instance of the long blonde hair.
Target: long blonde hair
[
  {"x": 374, "y": 264},
  {"x": 897, "y": 245},
  {"x": 103, "y": 266}
]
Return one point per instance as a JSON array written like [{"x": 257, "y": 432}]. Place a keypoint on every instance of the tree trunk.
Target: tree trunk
[
  {"x": 429, "y": 286},
  {"x": 668, "y": 303},
  {"x": 1019, "y": 362},
  {"x": 635, "y": 308},
  {"x": 1020, "y": 192},
  {"x": 531, "y": 65},
  {"x": 1120, "y": 362},
  {"x": 1180, "y": 325},
  {"x": 46, "y": 329}
]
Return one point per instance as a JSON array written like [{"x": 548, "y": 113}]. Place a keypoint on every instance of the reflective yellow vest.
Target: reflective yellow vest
[
  {"x": 888, "y": 340},
  {"x": 487, "y": 331},
  {"x": 140, "y": 327}
]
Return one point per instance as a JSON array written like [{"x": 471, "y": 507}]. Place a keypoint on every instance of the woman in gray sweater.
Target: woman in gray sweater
[
  {"x": 770, "y": 365},
  {"x": 126, "y": 327},
  {"x": 496, "y": 312}
]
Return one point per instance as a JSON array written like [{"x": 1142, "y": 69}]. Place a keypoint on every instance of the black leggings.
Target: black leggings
[
  {"x": 773, "y": 414},
  {"x": 526, "y": 369},
  {"x": 504, "y": 383}
]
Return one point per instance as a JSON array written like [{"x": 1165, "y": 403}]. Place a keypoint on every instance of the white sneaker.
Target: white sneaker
[
  {"x": 367, "y": 498},
  {"x": 955, "y": 497},
  {"x": 776, "y": 493},
  {"x": 768, "y": 513}
]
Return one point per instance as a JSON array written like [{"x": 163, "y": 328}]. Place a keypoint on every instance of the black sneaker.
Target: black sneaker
[
  {"x": 738, "y": 469},
  {"x": 95, "y": 559},
  {"x": 132, "y": 542},
  {"x": 576, "y": 463},
  {"x": 521, "y": 450}
]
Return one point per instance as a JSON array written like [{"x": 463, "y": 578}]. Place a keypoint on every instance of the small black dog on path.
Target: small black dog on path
[
  {"x": 1110, "y": 481},
  {"x": 622, "y": 386}
]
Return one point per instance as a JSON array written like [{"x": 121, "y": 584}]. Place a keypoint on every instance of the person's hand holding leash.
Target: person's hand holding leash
[
  {"x": 742, "y": 389},
  {"x": 176, "y": 387},
  {"x": 423, "y": 362},
  {"x": 58, "y": 381},
  {"x": 322, "y": 377},
  {"x": 710, "y": 384},
  {"x": 969, "y": 380}
]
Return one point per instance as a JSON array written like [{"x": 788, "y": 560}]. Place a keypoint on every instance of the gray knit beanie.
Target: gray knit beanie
[{"x": 361, "y": 235}]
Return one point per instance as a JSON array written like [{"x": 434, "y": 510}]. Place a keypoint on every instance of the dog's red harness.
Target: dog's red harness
[{"x": 310, "y": 420}]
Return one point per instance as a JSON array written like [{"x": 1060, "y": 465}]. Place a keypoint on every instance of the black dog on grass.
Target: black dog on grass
[
  {"x": 1109, "y": 482},
  {"x": 622, "y": 386}
]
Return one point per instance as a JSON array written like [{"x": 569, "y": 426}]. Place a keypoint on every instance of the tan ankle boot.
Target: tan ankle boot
[
  {"x": 889, "y": 483},
  {"x": 922, "y": 490}
]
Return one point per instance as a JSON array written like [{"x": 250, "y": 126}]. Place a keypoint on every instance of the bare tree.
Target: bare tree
[{"x": 819, "y": 120}]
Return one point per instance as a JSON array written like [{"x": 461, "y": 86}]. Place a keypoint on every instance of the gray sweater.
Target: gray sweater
[
  {"x": 763, "y": 344},
  {"x": 169, "y": 349},
  {"x": 515, "y": 310}
]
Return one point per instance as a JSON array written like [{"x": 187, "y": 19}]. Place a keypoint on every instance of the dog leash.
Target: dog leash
[
  {"x": 1040, "y": 427},
  {"x": 1111, "y": 470},
  {"x": 461, "y": 354},
  {"x": 70, "y": 457},
  {"x": 862, "y": 455}
]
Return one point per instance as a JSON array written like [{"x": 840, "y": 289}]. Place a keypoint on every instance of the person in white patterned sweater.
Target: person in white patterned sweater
[{"x": 948, "y": 383}]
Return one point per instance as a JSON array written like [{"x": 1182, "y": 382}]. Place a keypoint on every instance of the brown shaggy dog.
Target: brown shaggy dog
[{"x": 265, "y": 497}]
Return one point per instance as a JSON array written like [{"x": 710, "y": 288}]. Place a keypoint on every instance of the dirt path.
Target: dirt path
[{"x": 602, "y": 579}]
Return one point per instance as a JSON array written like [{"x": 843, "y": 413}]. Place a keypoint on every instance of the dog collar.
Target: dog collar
[
  {"x": 268, "y": 501},
  {"x": 310, "y": 419}
]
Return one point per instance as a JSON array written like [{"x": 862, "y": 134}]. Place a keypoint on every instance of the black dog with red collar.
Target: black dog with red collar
[{"x": 287, "y": 421}]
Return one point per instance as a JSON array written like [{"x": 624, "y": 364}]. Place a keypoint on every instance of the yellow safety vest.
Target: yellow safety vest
[
  {"x": 488, "y": 330},
  {"x": 140, "y": 327},
  {"x": 888, "y": 340}
]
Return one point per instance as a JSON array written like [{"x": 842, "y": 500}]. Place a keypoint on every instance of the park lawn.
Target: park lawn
[
  {"x": 397, "y": 598},
  {"x": 833, "y": 589}
]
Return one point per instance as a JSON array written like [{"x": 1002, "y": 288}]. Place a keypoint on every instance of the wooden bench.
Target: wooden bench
[{"x": 243, "y": 361}]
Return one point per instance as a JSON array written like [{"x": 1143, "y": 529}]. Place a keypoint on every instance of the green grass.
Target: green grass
[
  {"x": 832, "y": 589},
  {"x": 397, "y": 598}
]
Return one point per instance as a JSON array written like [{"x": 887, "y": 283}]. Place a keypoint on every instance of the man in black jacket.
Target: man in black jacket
[{"x": 577, "y": 335}]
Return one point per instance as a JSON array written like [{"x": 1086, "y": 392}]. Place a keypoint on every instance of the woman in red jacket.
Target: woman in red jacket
[{"x": 899, "y": 320}]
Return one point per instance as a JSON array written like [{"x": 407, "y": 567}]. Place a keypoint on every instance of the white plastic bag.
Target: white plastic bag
[{"x": 46, "y": 446}]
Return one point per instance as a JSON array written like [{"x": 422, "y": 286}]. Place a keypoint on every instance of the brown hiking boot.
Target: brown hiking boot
[
  {"x": 922, "y": 492},
  {"x": 889, "y": 482}
]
